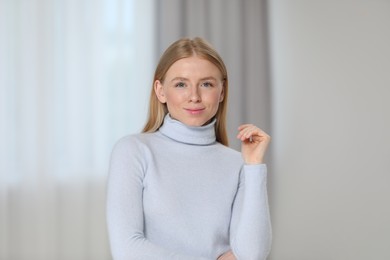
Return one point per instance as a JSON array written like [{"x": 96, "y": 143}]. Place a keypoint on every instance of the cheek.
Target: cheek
[
  {"x": 216, "y": 98},
  {"x": 174, "y": 98}
]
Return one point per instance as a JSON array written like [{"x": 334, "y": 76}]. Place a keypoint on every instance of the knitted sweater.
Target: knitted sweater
[{"x": 179, "y": 194}]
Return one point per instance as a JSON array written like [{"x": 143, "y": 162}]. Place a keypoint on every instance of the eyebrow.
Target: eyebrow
[
  {"x": 179, "y": 79},
  {"x": 185, "y": 79}
]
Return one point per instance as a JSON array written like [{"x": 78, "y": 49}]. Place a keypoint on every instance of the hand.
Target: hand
[
  {"x": 227, "y": 256},
  {"x": 254, "y": 143}
]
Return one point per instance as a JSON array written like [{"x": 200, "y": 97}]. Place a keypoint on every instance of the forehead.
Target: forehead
[{"x": 193, "y": 67}]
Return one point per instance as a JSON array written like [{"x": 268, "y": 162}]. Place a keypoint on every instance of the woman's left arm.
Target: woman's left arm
[{"x": 251, "y": 232}]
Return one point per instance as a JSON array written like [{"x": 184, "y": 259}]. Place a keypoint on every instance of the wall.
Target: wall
[{"x": 329, "y": 183}]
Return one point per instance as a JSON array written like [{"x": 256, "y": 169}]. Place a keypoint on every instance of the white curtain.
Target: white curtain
[{"x": 74, "y": 78}]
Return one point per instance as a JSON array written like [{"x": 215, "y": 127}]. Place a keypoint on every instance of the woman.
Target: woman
[{"x": 176, "y": 191}]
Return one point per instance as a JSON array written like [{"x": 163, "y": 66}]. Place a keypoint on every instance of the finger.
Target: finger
[
  {"x": 244, "y": 128},
  {"x": 244, "y": 131},
  {"x": 249, "y": 131},
  {"x": 253, "y": 134}
]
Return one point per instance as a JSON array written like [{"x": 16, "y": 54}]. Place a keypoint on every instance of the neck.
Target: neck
[{"x": 197, "y": 135}]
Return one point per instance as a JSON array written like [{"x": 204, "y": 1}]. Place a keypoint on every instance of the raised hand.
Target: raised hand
[{"x": 254, "y": 143}]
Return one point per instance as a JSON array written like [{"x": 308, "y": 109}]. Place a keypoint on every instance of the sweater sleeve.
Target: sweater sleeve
[
  {"x": 124, "y": 208},
  {"x": 250, "y": 233}
]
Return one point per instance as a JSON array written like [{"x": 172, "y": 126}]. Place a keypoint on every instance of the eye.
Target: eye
[
  {"x": 207, "y": 84},
  {"x": 180, "y": 85}
]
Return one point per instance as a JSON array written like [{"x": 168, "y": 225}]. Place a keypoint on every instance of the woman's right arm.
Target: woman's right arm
[{"x": 125, "y": 219}]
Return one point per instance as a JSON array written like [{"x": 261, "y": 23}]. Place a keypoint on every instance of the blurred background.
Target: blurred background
[{"x": 75, "y": 77}]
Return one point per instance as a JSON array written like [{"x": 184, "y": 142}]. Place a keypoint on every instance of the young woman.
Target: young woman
[{"x": 177, "y": 191}]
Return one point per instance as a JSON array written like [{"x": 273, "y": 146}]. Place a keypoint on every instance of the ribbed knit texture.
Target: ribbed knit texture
[{"x": 178, "y": 194}]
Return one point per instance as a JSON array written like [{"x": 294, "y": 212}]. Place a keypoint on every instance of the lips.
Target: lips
[{"x": 194, "y": 111}]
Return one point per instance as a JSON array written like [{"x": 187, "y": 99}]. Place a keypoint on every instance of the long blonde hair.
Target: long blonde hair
[{"x": 184, "y": 48}]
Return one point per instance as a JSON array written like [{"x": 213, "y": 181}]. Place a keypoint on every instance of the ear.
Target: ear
[
  {"x": 159, "y": 90},
  {"x": 222, "y": 96}
]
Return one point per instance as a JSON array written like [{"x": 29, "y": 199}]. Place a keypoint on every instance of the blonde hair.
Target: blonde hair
[{"x": 185, "y": 48}]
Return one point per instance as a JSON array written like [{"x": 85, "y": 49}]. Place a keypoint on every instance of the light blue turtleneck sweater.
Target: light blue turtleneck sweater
[{"x": 179, "y": 194}]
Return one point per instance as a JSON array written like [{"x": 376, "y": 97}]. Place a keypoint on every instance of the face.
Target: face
[{"x": 192, "y": 90}]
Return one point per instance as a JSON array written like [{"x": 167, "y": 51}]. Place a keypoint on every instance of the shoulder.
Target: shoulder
[
  {"x": 228, "y": 150},
  {"x": 132, "y": 152},
  {"x": 230, "y": 154},
  {"x": 133, "y": 143}
]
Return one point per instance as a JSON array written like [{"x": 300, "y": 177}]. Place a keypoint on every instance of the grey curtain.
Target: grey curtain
[{"x": 238, "y": 30}]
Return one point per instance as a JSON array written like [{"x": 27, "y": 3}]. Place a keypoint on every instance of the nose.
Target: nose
[{"x": 194, "y": 94}]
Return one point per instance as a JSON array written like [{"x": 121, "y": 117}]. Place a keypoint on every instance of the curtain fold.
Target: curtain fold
[{"x": 71, "y": 85}]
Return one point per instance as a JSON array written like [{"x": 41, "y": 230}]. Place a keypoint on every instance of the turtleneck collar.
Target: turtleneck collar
[{"x": 198, "y": 135}]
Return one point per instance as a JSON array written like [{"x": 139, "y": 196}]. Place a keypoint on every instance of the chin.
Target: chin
[{"x": 194, "y": 120}]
